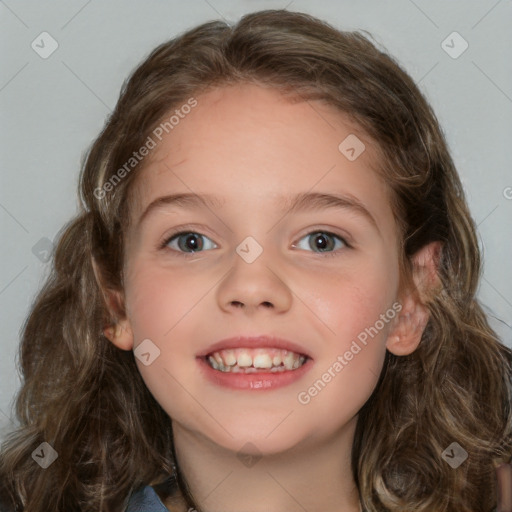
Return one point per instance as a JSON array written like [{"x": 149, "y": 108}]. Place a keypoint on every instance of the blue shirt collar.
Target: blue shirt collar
[{"x": 146, "y": 500}]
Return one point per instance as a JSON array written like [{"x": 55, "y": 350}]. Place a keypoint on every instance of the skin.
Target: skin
[{"x": 250, "y": 146}]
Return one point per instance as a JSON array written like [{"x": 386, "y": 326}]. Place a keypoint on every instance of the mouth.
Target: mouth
[
  {"x": 255, "y": 360},
  {"x": 254, "y": 363}
]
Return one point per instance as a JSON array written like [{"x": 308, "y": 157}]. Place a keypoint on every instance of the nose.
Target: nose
[{"x": 251, "y": 287}]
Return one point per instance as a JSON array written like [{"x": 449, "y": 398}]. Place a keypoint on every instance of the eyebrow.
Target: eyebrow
[{"x": 307, "y": 201}]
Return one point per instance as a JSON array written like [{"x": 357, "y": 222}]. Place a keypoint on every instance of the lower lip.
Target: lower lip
[{"x": 261, "y": 381}]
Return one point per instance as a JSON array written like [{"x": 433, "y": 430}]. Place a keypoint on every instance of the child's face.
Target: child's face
[{"x": 251, "y": 149}]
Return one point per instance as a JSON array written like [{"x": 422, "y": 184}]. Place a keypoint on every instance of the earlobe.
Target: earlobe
[
  {"x": 120, "y": 335},
  {"x": 405, "y": 334}
]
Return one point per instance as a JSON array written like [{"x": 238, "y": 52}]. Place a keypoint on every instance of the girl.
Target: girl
[{"x": 267, "y": 301}]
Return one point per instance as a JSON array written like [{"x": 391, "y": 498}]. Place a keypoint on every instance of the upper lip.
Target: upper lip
[{"x": 264, "y": 341}]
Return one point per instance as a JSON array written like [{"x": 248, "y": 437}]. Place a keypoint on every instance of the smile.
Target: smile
[{"x": 255, "y": 360}]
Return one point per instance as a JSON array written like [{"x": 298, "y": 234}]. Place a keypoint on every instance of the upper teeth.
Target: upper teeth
[{"x": 247, "y": 360}]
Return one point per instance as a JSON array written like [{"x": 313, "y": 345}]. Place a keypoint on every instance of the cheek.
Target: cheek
[
  {"x": 160, "y": 306},
  {"x": 163, "y": 306},
  {"x": 158, "y": 299},
  {"x": 353, "y": 299},
  {"x": 356, "y": 311}
]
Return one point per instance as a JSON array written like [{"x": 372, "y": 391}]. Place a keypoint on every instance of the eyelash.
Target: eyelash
[{"x": 165, "y": 242}]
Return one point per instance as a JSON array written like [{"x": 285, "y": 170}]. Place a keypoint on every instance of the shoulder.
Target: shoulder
[
  {"x": 145, "y": 499},
  {"x": 165, "y": 496}
]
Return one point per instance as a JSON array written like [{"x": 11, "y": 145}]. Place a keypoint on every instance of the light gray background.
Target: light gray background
[{"x": 53, "y": 108}]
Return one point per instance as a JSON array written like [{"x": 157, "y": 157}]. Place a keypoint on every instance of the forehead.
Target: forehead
[{"x": 249, "y": 144}]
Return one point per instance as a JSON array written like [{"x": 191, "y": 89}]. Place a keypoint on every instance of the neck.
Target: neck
[{"x": 316, "y": 475}]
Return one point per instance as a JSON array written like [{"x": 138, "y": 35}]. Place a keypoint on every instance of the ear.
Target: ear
[
  {"x": 406, "y": 331},
  {"x": 120, "y": 333}
]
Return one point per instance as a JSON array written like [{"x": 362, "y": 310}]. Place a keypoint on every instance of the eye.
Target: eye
[
  {"x": 323, "y": 241},
  {"x": 187, "y": 242}
]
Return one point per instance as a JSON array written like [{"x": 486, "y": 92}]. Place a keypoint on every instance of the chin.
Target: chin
[{"x": 266, "y": 436}]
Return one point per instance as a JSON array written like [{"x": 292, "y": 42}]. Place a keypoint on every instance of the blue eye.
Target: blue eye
[
  {"x": 191, "y": 242},
  {"x": 324, "y": 242},
  {"x": 187, "y": 242}
]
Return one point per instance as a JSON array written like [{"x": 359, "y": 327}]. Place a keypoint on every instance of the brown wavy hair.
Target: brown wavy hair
[{"x": 86, "y": 398}]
